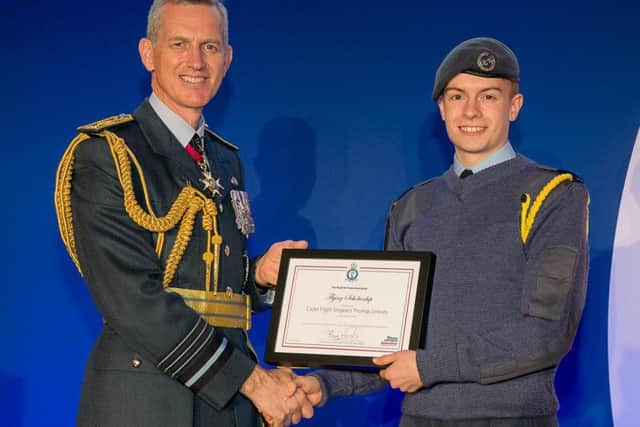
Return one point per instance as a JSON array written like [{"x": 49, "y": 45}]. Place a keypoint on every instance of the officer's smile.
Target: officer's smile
[{"x": 193, "y": 79}]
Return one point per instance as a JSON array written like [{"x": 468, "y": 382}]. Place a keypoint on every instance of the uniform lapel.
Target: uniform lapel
[{"x": 219, "y": 163}]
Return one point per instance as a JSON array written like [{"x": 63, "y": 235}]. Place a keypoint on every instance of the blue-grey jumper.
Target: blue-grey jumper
[{"x": 505, "y": 307}]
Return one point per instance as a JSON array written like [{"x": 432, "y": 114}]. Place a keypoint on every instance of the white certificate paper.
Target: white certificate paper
[{"x": 347, "y": 305}]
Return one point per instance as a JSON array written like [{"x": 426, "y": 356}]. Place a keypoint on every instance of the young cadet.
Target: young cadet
[{"x": 510, "y": 238}]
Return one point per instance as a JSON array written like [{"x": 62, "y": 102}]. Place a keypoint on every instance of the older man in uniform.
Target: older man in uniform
[
  {"x": 510, "y": 238},
  {"x": 153, "y": 211}
]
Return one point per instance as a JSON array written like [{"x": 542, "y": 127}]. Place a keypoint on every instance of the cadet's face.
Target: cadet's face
[
  {"x": 189, "y": 59},
  {"x": 477, "y": 111}
]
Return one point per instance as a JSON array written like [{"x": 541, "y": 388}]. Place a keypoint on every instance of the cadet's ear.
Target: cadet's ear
[
  {"x": 145, "y": 49},
  {"x": 516, "y": 105},
  {"x": 441, "y": 106}
]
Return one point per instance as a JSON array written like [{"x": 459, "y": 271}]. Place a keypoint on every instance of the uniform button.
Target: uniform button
[
  {"x": 227, "y": 250},
  {"x": 136, "y": 363},
  {"x": 221, "y": 208}
]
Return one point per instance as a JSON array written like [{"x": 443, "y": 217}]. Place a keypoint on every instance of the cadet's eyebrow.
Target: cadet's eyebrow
[{"x": 482, "y": 90}]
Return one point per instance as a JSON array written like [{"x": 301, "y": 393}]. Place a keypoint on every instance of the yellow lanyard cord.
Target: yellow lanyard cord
[{"x": 528, "y": 216}]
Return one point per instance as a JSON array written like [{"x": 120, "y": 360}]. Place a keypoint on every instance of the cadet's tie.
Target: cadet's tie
[
  {"x": 465, "y": 173},
  {"x": 195, "y": 148}
]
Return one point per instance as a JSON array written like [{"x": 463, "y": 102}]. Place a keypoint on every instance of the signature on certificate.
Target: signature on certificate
[{"x": 343, "y": 334}]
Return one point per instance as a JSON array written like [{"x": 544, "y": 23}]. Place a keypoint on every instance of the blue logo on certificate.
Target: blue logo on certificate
[{"x": 352, "y": 273}]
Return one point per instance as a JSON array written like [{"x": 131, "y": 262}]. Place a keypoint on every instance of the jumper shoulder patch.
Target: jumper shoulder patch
[
  {"x": 404, "y": 210},
  {"x": 221, "y": 140},
  {"x": 109, "y": 122},
  {"x": 415, "y": 187}
]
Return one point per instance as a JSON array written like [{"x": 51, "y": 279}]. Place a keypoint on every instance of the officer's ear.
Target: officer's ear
[
  {"x": 145, "y": 49},
  {"x": 228, "y": 57}
]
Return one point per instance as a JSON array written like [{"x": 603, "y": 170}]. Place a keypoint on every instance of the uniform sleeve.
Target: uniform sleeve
[
  {"x": 552, "y": 300},
  {"x": 261, "y": 298},
  {"x": 336, "y": 383},
  {"x": 124, "y": 277}
]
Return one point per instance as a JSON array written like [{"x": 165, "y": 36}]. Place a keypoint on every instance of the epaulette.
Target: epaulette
[
  {"x": 109, "y": 122},
  {"x": 576, "y": 178},
  {"x": 221, "y": 140},
  {"x": 406, "y": 215}
]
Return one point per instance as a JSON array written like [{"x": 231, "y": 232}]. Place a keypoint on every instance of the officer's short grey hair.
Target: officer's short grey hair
[
  {"x": 480, "y": 56},
  {"x": 153, "y": 21}
]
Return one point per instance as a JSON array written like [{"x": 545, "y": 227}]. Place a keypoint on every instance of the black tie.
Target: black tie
[
  {"x": 465, "y": 173},
  {"x": 197, "y": 146},
  {"x": 195, "y": 149}
]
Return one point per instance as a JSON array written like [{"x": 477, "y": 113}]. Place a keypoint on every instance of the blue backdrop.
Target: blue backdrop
[{"x": 330, "y": 104}]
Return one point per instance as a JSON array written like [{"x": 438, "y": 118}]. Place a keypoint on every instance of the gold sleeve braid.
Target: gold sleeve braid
[{"x": 184, "y": 209}]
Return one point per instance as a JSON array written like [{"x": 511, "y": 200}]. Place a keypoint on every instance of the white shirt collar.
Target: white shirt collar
[{"x": 176, "y": 124}]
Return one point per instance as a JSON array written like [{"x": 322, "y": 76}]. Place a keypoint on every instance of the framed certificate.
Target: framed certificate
[{"x": 343, "y": 307}]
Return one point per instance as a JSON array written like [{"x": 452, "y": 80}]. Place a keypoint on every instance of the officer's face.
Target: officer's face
[
  {"x": 189, "y": 59},
  {"x": 477, "y": 111}
]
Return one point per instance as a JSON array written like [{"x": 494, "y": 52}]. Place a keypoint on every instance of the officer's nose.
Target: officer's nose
[{"x": 196, "y": 58}]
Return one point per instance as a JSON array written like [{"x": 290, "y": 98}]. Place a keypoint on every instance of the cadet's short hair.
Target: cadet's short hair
[
  {"x": 153, "y": 21},
  {"x": 480, "y": 56}
]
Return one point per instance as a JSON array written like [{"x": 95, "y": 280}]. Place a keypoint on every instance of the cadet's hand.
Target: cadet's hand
[
  {"x": 402, "y": 372},
  {"x": 285, "y": 376},
  {"x": 311, "y": 387},
  {"x": 273, "y": 396},
  {"x": 268, "y": 265}
]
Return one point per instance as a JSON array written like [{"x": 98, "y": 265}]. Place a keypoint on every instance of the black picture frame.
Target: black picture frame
[{"x": 419, "y": 306}]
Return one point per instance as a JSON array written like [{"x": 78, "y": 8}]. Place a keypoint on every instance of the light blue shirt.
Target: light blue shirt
[
  {"x": 506, "y": 152},
  {"x": 176, "y": 124}
]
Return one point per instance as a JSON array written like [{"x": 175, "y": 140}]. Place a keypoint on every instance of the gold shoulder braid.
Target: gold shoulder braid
[
  {"x": 529, "y": 212},
  {"x": 218, "y": 308}
]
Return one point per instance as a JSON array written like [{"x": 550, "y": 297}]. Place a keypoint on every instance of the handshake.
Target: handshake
[{"x": 282, "y": 397}]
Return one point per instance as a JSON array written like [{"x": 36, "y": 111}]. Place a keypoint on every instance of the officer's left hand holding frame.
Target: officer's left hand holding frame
[{"x": 344, "y": 307}]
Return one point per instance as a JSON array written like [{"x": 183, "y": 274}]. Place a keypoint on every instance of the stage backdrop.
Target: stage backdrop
[{"x": 329, "y": 102}]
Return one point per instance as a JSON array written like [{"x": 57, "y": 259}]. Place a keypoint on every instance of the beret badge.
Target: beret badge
[{"x": 486, "y": 62}]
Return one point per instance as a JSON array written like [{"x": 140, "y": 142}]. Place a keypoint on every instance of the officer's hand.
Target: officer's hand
[
  {"x": 402, "y": 370},
  {"x": 266, "y": 273},
  {"x": 273, "y": 396}
]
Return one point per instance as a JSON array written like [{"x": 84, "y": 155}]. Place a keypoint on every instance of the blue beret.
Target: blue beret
[{"x": 481, "y": 56}]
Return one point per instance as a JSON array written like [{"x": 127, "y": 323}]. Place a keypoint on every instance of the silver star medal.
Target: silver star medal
[
  {"x": 211, "y": 184},
  {"x": 244, "y": 219}
]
